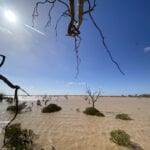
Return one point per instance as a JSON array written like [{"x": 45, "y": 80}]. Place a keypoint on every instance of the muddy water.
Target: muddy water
[{"x": 70, "y": 129}]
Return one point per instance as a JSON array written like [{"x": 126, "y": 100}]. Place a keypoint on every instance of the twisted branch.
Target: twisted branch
[
  {"x": 16, "y": 100},
  {"x": 36, "y": 13},
  {"x": 103, "y": 40},
  {"x": 64, "y": 14},
  {"x": 49, "y": 14},
  {"x": 78, "y": 60},
  {"x": 3, "y": 60}
]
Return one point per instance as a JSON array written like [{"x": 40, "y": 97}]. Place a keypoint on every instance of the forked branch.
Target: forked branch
[{"x": 92, "y": 97}]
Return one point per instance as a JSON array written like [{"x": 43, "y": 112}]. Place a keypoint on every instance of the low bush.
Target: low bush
[
  {"x": 51, "y": 108},
  {"x": 18, "y": 138},
  {"x": 123, "y": 117},
  {"x": 1, "y": 97},
  {"x": 9, "y": 100},
  {"x": 38, "y": 103},
  {"x": 93, "y": 111},
  {"x": 120, "y": 137},
  {"x": 13, "y": 108}
]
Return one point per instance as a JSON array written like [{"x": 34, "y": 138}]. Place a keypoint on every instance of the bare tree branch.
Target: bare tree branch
[
  {"x": 49, "y": 14},
  {"x": 65, "y": 4},
  {"x": 103, "y": 39},
  {"x": 3, "y": 60},
  {"x": 59, "y": 19},
  {"x": 12, "y": 86},
  {"x": 36, "y": 13},
  {"x": 78, "y": 60},
  {"x": 6, "y": 81}
]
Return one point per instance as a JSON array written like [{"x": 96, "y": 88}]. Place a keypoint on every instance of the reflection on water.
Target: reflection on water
[{"x": 4, "y": 122}]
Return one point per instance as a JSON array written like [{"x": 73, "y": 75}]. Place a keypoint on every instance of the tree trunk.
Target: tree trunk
[{"x": 93, "y": 104}]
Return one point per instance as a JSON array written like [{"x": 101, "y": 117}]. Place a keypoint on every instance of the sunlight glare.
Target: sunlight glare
[{"x": 10, "y": 16}]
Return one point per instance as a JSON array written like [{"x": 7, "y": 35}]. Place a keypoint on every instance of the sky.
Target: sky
[{"x": 43, "y": 63}]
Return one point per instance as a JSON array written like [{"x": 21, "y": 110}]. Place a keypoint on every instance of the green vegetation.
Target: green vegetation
[
  {"x": 13, "y": 108},
  {"x": 120, "y": 137},
  {"x": 19, "y": 139},
  {"x": 93, "y": 111},
  {"x": 51, "y": 108},
  {"x": 123, "y": 117},
  {"x": 9, "y": 100},
  {"x": 145, "y": 95},
  {"x": 1, "y": 97},
  {"x": 38, "y": 103}
]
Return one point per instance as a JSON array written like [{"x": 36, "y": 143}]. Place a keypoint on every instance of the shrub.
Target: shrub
[
  {"x": 120, "y": 137},
  {"x": 51, "y": 108},
  {"x": 19, "y": 139},
  {"x": 12, "y": 108},
  {"x": 93, "y": 111},
  {"x": 1, "y": 97},
  {"x": 9, "y": 100},
  {"x": 38, "y": 103},
  {"x": 123, "y": 117}
]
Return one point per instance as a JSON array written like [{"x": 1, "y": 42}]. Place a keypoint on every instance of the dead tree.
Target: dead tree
[
  {"x": 92, "y": 97},
  {"x": 16, "y": 100},
  {"x": 75, "y": 10},
  {"x": 46, "y": 99},
  {"x": 66, "y": 97}
]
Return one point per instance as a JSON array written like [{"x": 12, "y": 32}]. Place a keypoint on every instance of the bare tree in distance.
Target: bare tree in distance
[
  {"x": 66, "y": 97},
  {"x": 47, "y": 98},
  {"x": 92, "y": 97},
  {"x": 75, "y": 10}
]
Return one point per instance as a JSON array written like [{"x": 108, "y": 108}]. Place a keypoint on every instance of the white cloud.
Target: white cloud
[
  {"x": 147, "y": 49},
  {"x": 76, "y": 83}
]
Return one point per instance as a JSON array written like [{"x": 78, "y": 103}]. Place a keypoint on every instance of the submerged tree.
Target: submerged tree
[
  {"x": 75, "y": 10},
  {"x": 92, "y": 97}
]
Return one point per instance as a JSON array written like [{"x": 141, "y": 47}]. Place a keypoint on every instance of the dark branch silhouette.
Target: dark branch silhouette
[
  {"x": 3, "y": 60},
  {"x": 16, "y": 100},
  {"x": 103, "y": 39},
  {"x": 64, "y": 14},
  {"x": 75, "y": 15},
  {"x": 78, "y": 60}
]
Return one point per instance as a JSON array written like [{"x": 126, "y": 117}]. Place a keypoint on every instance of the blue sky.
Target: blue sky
[{"x": 44, "y": 64}]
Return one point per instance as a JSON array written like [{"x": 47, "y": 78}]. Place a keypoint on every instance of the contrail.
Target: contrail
[{"x": 34, "y": 29}]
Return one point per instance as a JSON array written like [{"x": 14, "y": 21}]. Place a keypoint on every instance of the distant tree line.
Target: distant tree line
[
  {"x": 136, "y": 95},
  {"x": 144, "y": 95}
]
